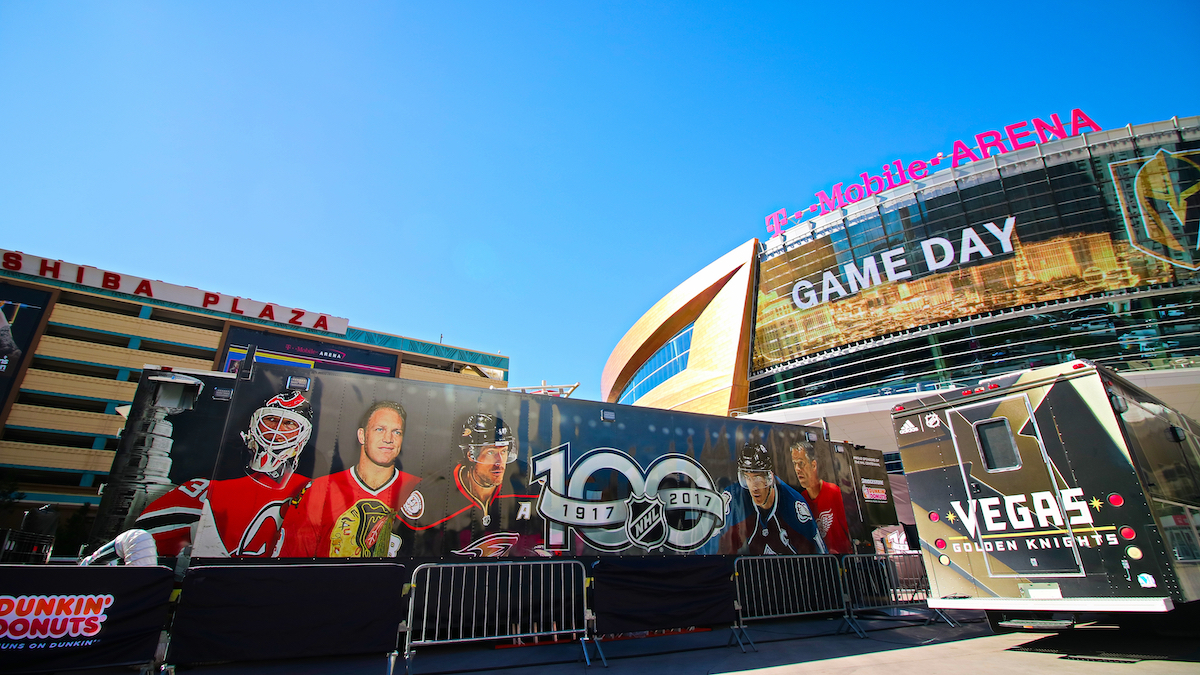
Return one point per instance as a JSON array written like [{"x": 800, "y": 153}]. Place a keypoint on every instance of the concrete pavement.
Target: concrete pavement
[{"x": 811, "y": 647}]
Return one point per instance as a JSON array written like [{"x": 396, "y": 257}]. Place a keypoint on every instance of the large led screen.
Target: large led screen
[
  {"x": 1116, "y": 216},
  {"x": 290, "y": 350}
]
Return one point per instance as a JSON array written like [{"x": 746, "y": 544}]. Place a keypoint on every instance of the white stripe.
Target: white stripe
[{"x": 195, "y": 511}]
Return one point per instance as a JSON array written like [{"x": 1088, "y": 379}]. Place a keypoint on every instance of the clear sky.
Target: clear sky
[{"x": 524, "y": 178}]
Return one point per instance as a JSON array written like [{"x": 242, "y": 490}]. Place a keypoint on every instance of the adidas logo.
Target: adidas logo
[{"x": 908, "y": 427}]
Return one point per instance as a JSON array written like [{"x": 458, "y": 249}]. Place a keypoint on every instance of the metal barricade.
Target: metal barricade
[
  {"x": 25, "y": 547},
  {"x": 885, "y": 582},
  {"x": 456, "y": 603},
  {"x": 781, "y": 586}
]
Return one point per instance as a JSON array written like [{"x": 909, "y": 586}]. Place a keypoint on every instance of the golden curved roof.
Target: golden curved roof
[{"x": 720, "y": 300}]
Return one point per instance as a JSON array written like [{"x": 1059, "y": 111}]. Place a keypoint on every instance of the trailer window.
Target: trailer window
[{"x": 997, "y": 444}]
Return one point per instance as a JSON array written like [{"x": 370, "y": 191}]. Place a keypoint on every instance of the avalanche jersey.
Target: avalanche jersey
[
  {"x": 219, "y": 518},
  {"x": 443, "y": 518},
  {"x": 830, "y": 514},
  {"x": 338, "y": 516},
  {"x": 785, "y": 528}
]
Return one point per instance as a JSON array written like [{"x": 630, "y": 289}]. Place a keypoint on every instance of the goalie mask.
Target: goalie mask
[
  {"x": 482, "y": 431},
  {"x": 278, "y": 431}
]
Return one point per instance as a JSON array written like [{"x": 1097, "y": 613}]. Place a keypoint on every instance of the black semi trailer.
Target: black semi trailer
[{"x": 281, "y": 461}]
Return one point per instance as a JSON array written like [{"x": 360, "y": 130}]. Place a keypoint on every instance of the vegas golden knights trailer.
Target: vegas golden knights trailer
[{"x": 1059, "y": 490}]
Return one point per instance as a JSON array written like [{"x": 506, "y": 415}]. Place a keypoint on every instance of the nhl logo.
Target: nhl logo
[{"x": 646, "y": 524}]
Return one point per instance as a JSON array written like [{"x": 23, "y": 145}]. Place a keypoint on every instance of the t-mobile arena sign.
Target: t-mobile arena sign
[{"x": 1016, "y": 136}]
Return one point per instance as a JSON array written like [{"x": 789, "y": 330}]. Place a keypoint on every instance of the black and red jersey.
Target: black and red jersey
[{"x": 446, "y": 516}]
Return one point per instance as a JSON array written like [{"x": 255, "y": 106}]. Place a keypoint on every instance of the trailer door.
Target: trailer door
[{"x": 1015, "y": 499}]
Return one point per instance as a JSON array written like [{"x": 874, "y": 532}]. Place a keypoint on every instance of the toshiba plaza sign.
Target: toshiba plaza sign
[{"x": 57, "y": 270}]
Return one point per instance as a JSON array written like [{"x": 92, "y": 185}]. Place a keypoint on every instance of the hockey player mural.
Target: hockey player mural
[
  {"x": 334, "y": 464},
  {"x": 480, "y": 516},
  {"x": 769, "y": 517},
  {"x": 239, "y": 517},
  {"x": 352, "y": 513}
]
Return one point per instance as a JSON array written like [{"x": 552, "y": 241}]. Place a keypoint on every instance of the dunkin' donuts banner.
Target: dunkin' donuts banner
[
  {"x": 61, "y": 618},
  {"x": 315, "y": 464}
]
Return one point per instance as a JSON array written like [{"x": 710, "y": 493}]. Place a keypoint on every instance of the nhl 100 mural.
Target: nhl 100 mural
[{"x": 277, "y": 461}]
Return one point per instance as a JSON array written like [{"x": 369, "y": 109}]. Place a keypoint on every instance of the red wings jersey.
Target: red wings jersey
[
  {"x": 219, "y": 518},
  {"x": 440, "y": 517},
  {"x": 170, "y": 517},
  {"x": 337, "y": 516},
  {"x": 830, "y": 513}
]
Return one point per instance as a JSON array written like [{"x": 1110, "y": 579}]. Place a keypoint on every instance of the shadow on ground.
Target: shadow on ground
[
  {"x": 1114, "y": 646},
  {"x": 778, "y": 643}
]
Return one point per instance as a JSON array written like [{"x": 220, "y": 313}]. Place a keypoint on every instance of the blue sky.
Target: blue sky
[{"x": 527, "y": 178}]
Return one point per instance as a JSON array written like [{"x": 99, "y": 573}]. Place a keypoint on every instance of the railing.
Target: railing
[
  {"x": 25, "y": 547},
  {"x": 455, "y": 603},
  {"x": 774, "y": 587},
  {"x": 879, "y": 582}
]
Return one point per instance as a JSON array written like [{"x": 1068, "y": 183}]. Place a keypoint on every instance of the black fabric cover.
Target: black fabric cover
[
  {"x": 252, "y": 612},
  {"x": 636, "y": 594},
  {"x": 129, "y": 623}
]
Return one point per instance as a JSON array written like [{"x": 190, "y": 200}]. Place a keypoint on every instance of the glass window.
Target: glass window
[
  {"x": 865, "y": 228},
  {"x": 671, "y": 359},
  {"x": 997, "y": 444},
  {"x": 1179, "y": 529}
]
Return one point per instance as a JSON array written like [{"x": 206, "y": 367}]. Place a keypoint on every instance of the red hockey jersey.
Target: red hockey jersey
[
  {"x": 447, "y": 518},
  {"x": 337, "y": 516},
  {"x": 830, "y": 514},
  {"x": 239, "y": 517}
]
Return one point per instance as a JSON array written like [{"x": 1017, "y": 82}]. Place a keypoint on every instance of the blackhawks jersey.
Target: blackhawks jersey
[
  {"x": 239, "y": 517},
  {"x": 338, "y": 516},
  {"x": 785, "y": 528},
  {"x": 443, "y": 518}
]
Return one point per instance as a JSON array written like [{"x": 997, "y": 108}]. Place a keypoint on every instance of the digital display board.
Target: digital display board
[
  {"x": 292, "y": 351},
  {"x": 1120, "y": 216}
]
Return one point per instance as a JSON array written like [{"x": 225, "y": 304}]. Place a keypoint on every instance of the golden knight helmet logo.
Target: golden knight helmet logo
[{"x": 1162, "y": 215}]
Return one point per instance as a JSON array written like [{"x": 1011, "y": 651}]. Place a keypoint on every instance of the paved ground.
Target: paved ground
[{"x": 810, "y": 647}]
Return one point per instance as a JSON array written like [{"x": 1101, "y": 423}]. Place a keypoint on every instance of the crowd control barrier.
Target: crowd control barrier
[
  {"x": 885, "y": 582},
  {"x": 25, "y": 547},
  {"x": 782, "y": 586},
  {"x": 256, "y": 612},
  {"x": 453, "y": 603},
  {"x": 632, "y": 594}
]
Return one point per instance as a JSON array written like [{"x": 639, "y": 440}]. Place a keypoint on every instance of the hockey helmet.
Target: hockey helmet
[
  {"x": 754, "y": 459},
  {"x": 278, "y": 432},
  {"x": 483, "y": 430}
]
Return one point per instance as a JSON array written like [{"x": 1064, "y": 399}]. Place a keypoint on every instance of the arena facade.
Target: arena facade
[{"x": 1047, "y": 240}]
